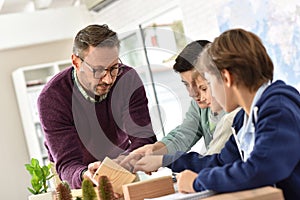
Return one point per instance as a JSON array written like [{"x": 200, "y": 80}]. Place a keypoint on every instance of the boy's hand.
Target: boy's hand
[
  {"x": 148, "y": 164},
  {"x": 185, "y": 181}
]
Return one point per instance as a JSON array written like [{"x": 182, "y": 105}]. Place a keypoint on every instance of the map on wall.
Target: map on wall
[{"x": 277, "y": 23}]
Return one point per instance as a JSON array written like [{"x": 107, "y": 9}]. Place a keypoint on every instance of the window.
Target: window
[{"x": 151, "y": 50}]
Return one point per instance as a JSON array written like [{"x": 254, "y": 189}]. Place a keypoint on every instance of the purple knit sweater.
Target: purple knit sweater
[{"x": 78, "y": 132}]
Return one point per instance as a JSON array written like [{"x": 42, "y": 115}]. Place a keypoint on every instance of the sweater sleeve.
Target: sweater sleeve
[
  {"x": 193, "y": 161},
  {"x": 268, "y": 163},
  {"x": 184, "y": 136},
  {"x": 61, "y": 139}
]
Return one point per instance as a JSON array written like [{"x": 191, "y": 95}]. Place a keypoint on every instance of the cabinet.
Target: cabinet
[{"x": 28, "y": 82}]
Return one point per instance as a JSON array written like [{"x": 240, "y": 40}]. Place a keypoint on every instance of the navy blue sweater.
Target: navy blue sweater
[{"x": 275, "y": 158}]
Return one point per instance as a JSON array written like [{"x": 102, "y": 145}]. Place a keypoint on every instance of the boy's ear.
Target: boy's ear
[
  {"x": 227, "y": 78},
  {"x": 75, "y": 61}
]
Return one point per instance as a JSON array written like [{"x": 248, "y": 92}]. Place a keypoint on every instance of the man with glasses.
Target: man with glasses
[{"x": 96, "y": 108}]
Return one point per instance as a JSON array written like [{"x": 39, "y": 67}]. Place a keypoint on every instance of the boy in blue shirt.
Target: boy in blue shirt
[{"x": 263, "y": 149}]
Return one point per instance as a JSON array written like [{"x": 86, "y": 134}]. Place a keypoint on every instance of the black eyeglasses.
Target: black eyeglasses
[{"x": 114, "y": 70}]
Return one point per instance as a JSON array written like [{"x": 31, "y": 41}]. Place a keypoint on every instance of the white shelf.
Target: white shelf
[{"x": 28, "y": 82}]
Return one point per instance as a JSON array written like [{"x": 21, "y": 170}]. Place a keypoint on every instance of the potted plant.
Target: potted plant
[{"x": 39, "y": 177}]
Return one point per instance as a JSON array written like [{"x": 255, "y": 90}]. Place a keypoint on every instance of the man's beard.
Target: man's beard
[{"x": 99, "y": 95}]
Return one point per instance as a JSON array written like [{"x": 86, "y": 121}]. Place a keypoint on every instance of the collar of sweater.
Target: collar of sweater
[{"x": 83, "y": 92}]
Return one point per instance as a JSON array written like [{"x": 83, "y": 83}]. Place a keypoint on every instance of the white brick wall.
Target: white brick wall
[
  {"x": 198, "y": 15},
  {"x": 199, "y": 19},
  {"x": 126, "y": 15}
]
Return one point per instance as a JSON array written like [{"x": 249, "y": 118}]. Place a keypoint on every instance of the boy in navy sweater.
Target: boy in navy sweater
[{"x": 263, "y": 149}]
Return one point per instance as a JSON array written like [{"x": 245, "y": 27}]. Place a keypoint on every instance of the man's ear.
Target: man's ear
[
  {"x": 227, "y": 78},
  {"x": 75, "y": 62}
]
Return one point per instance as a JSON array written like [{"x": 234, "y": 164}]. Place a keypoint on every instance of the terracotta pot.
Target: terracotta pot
[{"x": 44, "y": 196}]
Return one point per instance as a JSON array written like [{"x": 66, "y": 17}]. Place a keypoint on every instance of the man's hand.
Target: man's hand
[
  {"x": 148, "y": 163},
  {"x": 89, "y": 174},
  {"x": 119, "y": 159},
  {"x": 158, "y": 148},
  {"x": 185, "y": 181},
  {"x": 145, "y": 150},
  {"x": 129, "y": 161},
  {"x": 92, "y": 168}
]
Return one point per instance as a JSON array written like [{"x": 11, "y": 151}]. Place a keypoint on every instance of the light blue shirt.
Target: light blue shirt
[{"x": 246, "y": 135}]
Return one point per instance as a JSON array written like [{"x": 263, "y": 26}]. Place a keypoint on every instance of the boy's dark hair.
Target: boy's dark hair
[{"x": 188, "y": 56}]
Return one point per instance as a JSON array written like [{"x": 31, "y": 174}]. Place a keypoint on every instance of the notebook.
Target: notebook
[{"x": 182, "y": 196}]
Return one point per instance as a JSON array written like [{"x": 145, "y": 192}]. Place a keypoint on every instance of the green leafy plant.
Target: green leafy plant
[
  {"x": 63, "y": 191},
  {"x": 39, "y": 176},
  {"x": 105, "y": 189}
]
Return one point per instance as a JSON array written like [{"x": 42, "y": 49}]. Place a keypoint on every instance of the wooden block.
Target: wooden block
[
  {"x": 151, "y": 188},
  {"x": 117, "y": 175},
  {"x": 76, "y": 193},
  {"x": 264, "y": 193}
]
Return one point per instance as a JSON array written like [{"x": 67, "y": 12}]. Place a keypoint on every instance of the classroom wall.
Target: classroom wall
[
  {"x": 35, "y": 43},
  {"x": 41, "y": 40},
  {"x": 27, "y": 40},
  {"x": 14, "y": 155}
]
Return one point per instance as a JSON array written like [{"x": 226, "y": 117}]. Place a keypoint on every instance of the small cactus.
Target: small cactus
[
  {"x": 63, "y": 191},
  {"x": 105, "y": 189},
  {"x": 88, "y": 191}
]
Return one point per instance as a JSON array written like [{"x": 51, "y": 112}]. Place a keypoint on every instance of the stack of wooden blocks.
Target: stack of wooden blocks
[{"x": 121, "y": 180}]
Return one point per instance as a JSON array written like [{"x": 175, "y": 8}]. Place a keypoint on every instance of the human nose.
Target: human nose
[
  {"x": 201, "y": 95},
  {"x": 202, "y": 98},
  {"x": 193, "y": 92},
  {"x": 107, "y": 78}
]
